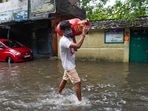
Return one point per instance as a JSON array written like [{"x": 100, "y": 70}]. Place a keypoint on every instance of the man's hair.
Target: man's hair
[{"x": 65, "y": 24}]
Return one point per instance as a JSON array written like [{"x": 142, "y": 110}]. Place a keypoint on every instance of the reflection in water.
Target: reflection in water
[{"x": 105, "y": 87}]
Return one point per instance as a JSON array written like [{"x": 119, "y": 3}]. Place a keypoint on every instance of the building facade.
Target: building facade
[
  {"x": 116, "y": 41},
  {"x": 33, "y": 22}
]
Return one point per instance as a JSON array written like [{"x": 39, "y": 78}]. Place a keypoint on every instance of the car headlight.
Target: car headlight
[{"x": 15, "y": 52}]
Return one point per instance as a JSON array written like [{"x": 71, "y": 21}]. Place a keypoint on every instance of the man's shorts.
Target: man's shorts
[{"x": 72, "y": 75}]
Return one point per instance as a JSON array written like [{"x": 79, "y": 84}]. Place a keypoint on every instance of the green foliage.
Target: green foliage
[{"x": 127, "y": 10}]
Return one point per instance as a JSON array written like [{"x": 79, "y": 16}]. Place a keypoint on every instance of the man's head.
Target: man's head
[{"x": 65, "y": 26}]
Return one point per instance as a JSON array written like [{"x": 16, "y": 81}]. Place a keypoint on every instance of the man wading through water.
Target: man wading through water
[{"x": 68, "y": 45}]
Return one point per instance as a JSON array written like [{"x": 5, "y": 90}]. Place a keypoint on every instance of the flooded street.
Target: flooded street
[{"x": 31, "y": 86}]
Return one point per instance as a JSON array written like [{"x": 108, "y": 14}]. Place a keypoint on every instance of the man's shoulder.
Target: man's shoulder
[{"x": 64, "y": 39}]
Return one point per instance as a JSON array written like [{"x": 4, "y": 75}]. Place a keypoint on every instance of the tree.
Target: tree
[{"x": 127, "y": 10}]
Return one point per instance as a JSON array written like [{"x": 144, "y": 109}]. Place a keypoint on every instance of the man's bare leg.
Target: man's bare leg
[
  {"x": 77, "y": 87},
  {"x": 61, "y": 86}
]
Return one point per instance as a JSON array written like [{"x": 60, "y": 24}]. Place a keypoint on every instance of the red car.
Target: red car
[{"x": 13, "y": 51}]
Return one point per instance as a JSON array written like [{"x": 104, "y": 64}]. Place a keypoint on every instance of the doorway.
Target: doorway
[{"x": 139, "y": 46}]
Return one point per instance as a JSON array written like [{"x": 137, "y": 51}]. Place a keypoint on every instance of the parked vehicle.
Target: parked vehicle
[{"x": 14, "y": 51}]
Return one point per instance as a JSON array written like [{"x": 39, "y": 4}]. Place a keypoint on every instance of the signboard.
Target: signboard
[
  {"x": 41, "y": 8},
  {"x": 114, "y": 36},
  {"x": 13, "y": 10}
]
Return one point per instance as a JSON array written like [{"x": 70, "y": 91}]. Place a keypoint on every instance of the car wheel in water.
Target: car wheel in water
[{"x": 9, "y": 60}]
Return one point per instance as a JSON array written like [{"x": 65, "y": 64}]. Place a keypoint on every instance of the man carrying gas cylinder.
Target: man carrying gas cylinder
[{"x": 67, "y": 47}]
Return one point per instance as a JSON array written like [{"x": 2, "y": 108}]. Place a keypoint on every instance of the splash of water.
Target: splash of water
[
  {"x": 65, "y": 100},
  {"x": 51, "y": 101}
]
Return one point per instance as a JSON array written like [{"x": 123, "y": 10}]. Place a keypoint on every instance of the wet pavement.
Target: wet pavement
[{"x": 31, "y": 86}]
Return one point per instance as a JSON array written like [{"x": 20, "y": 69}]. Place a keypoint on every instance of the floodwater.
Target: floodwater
[{"x": 31, "y": 86}]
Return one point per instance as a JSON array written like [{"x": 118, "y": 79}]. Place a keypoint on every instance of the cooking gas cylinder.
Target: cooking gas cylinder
[{"x": 76, "y": 26}]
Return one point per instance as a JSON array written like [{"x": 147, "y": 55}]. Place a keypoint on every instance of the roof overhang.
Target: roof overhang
[{"x": 113, "y": 24}]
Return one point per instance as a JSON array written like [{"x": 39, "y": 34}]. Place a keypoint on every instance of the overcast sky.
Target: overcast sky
[
  {"x": 112, "y": 2},
  {"x": 109, "y": 3}
]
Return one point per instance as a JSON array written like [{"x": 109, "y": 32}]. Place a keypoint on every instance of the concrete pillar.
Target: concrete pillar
[
  {"x": 126, "y": 45},
  {"x": 4, "y": 0}
]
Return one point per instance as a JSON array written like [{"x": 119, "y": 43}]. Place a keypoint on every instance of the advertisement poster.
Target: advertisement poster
[
  {"x": 13, "y": 10},
  {"x": 114, "y": 36},
  {"x": 41, "y": 8}
]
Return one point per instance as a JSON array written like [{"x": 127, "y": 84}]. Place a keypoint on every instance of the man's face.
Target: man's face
[{"x": 68, "y": 32}]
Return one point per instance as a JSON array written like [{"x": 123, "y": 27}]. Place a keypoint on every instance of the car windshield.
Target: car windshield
[{"x": 12, "y": 44}]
